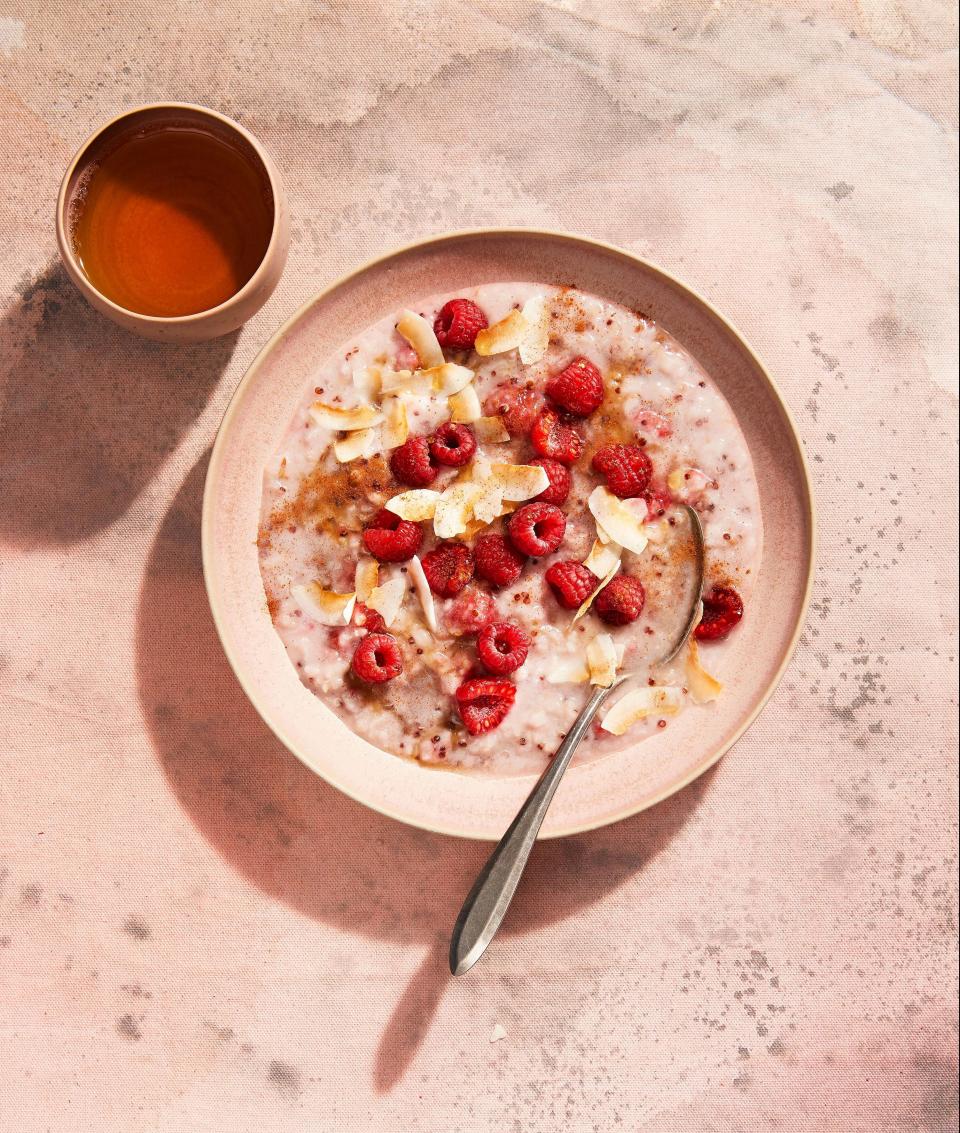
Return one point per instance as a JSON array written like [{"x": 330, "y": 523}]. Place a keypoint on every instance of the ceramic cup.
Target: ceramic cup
[{"x": 239, "y": 307}]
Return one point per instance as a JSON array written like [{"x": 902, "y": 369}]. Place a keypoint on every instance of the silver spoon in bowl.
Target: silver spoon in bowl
[{"x": 487, "y": 902}]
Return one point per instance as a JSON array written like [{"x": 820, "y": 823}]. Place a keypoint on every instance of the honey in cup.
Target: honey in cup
[{"x": 172, "y": 220}]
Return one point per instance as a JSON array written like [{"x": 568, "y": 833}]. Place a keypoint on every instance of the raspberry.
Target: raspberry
[
  {"x": 503, "y": 647},
  {"x": 519, "y": 407},
  {"x": 496, "y": 561},
  {"x": 392, "y": 539},
  {"x": 537, "y": 529},
  {"x": 411, "y": 464},
  {"x": 448, "y": 567},
  {"x": 471, "y": 611},
  {"x": 571, "y": 582},
  {"x": 365, "y": 618},
  {"x": 578, "y": 389},
  {"x": 552, "y": 438},
  {"x": 626, "y": 468},
  {"x": 722, "y": 610},
  {"x": 457, "y": 324},
  {"x": 621, "y": 600},
  {"x": 452, "y": 445},
  {"x": 484, "y": 703},
  {"x": 560, "y": 481},
  {"x": 377, "y": 659}
]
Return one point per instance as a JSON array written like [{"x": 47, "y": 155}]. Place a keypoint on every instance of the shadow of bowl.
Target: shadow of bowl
[{"x": 304, "y": 843}]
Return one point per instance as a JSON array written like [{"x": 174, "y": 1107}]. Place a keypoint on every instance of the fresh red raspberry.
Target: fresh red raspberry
[
  {"x": 554, "y": 439},
  {"x": 471, "y": 611},
  {"x": 392, "y": 539},
  {"x": 377, "y": 659},
  {"x": 503, "y": 647},
  {"x": 571, "y": 582},
  {"x": 626, "y": 468},
  {"x": 496, "y": 561},
  {"x": 722, "y": 610},
  {"x": 457, "y": 324},
  {"x": 519, "y": 407},
  {"x": 558, "y": 489},
  {"x": 411, "y": 463},
  {"x": 448, "y": 567},
  {"x": 453, "y": 445},
  {"x": 659, "y": 500},
  {"x": 365, "y": 618},
  {"x": 537, "y": 529},
  {"x": 484, "y": 703},
  {"x": 621, "y": 600},
  {"x": 578, "y": 389}
]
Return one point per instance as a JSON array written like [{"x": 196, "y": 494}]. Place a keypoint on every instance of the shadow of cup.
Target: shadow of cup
[
  {"x": 301, "y": 841},
  {"x": 88, "y": 412}
]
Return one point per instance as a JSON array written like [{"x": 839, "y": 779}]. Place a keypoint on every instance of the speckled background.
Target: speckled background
[{"x": 195, "y": 934}]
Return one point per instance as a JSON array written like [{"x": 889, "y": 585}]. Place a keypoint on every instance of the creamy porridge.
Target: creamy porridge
[{"x": 472, "y": 516}]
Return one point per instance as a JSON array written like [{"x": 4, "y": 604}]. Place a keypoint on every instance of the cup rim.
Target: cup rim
[{"x": 83, "y": 281}]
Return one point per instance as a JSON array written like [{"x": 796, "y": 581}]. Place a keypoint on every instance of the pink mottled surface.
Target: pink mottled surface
[{"x": 195, "y": 933}]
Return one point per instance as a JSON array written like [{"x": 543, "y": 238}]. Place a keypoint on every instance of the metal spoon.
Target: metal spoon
[{"x": 488, "y": 900}]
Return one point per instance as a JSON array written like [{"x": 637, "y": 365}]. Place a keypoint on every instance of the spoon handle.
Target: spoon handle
[{"x": 488, "y": 900}]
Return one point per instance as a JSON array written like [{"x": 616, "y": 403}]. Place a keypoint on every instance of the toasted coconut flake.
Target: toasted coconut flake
[
  {"x": 537, "y": 336},
  {"x": 345, "y": 420},
  {"x": 703, "y": 687},
  {"x": 365, "y": 578},
  {"x": 588, "y": 602},
  {"x": 387, "y": 599},
  {"x": 505, "y": 335},
  {"x": 396, "y": 382},
  {"x": 395, "y": 427},
  {"x": 622, "y": 521},
  {"x": 491, "y": 430},
  {"x": 488, "y": 505},
  {"x": 454, "y": 509},
  {"x": 465, "y": 406},
  {"x": 419, "y": 333},
  {"x": 417, "y": 505},
  {"x": 603, "y": 557},
  {"x": 447, "y": 379},
  {"x": 422, "y": 588},
  {"x": 602, "y": 660},
  {"x": 639, "y": 703},
  {"x": 327, "y": 607},
  {"x": 520, "y": 481},
  {"x": 355, "y": 445},
  {"x": 569, "y": 670}
]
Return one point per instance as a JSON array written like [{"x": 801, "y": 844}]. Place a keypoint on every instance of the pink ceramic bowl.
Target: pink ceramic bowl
[{"x": 450, "y": 802}]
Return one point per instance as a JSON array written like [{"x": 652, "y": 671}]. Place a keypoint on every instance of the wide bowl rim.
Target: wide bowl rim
[{"x": 246, "y": 382}]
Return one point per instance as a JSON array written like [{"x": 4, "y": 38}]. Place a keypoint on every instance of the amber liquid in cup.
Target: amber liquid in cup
[{"x": 171, "y": 221}]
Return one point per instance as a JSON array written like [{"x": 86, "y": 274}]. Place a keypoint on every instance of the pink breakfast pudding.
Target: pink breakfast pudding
[{"x": 472, "y": 518}]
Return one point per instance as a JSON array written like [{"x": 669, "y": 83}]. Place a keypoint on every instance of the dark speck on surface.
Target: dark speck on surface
[
  {"x": 137, "y": 928},
  {"x": 285, "y": 1078},
  {"x": 31, "y": 894},
  {"x": 839, "y": 191},
  {"x": 128, "y": 1027}
]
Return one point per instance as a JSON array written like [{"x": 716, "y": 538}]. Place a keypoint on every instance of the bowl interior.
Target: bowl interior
[{"x": 478, "y": 806}]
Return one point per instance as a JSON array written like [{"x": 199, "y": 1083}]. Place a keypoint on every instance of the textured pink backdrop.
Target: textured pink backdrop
[{"x": 195, "y": 934}]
